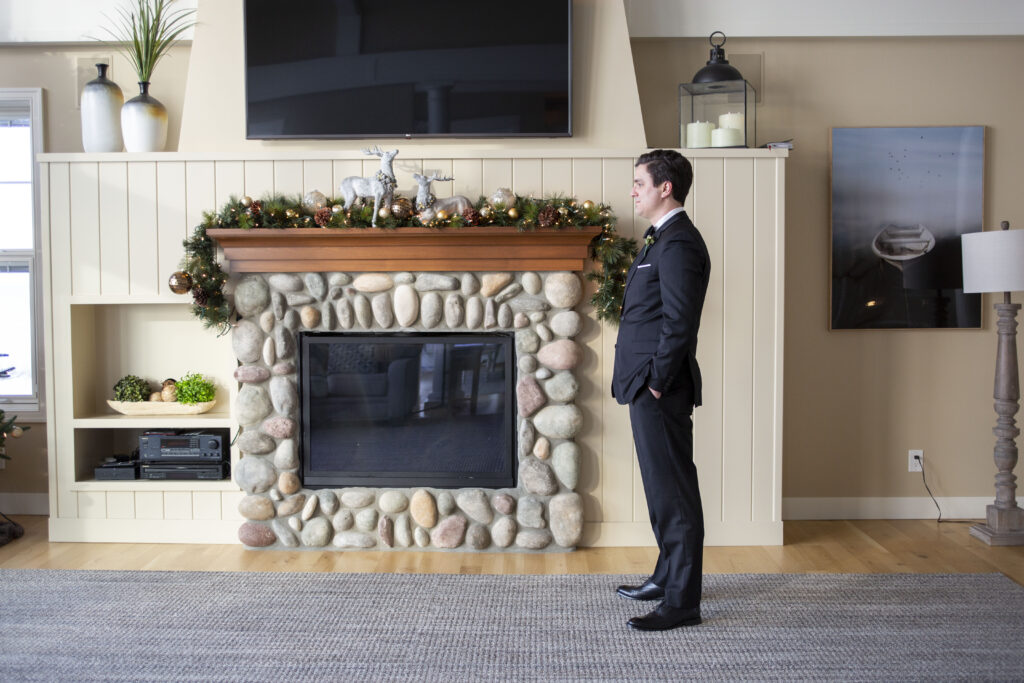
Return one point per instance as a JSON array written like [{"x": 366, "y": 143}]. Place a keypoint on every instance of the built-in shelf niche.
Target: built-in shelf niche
[{"x": 152, "y": 341}]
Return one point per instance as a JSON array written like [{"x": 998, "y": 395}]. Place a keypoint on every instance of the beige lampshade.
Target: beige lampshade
[{"x": 993, "y": 261}]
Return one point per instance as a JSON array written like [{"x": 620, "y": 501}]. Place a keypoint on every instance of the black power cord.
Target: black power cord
[{"x": 920, "y": 462}]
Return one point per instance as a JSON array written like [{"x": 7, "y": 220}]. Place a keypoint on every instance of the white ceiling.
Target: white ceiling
[{"x": 74, "y": 21}]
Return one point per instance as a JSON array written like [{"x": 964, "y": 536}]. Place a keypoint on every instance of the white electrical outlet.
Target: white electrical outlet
[{"x": 914, "y": 458}]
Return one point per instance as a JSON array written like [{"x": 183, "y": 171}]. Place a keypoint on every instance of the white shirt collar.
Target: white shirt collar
[{"x": 664, "y": 219}]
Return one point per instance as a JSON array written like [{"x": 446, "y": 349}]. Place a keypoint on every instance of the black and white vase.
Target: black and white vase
[
  {"x": 101, "y": 113},
  {"x": 144, "y": 122}
]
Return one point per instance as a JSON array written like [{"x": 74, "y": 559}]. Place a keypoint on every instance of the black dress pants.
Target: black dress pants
[{"x": 663, "y": 434}]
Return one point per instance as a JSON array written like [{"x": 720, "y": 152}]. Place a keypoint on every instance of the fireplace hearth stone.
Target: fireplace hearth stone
[{"x": 542, "y": 513}]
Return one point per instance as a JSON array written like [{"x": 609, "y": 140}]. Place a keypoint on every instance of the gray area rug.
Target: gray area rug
[{"x": 226, "y": 626}]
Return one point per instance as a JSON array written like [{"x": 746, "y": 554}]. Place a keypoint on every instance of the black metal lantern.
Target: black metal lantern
[{"x": 717, "y": 109}]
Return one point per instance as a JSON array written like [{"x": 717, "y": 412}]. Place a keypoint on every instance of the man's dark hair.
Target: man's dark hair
[{"x": 668, "y": 165}]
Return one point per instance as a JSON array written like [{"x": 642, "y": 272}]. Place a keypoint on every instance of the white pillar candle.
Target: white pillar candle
[
  {"x": 698, "y": 134},
  {"x": 726, "y": 137},
  {"x": 731, "y": 120}
]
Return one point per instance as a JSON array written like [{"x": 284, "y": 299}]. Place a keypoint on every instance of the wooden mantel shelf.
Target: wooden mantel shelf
[{"x": 492, "y": 248}]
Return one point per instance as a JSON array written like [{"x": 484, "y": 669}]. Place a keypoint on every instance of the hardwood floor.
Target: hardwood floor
[{"x": 860, "y": 546}]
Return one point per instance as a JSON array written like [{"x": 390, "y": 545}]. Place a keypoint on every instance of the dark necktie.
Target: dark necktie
[{"x": 650, "y": 232}]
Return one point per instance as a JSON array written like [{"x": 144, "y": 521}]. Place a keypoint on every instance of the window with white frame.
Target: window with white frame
[{"x": 20, "y": 311}]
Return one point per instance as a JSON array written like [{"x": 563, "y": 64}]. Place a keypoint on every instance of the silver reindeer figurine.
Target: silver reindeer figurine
[{"x": 380, "y": 186}]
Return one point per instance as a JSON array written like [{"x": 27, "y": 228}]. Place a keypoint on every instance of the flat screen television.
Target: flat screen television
[
  {"x": 408, "y": 68},
  {"x": 407, "y": 409}
]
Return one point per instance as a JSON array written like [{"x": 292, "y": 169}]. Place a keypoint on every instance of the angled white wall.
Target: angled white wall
[{"x": 779, "y": 18}]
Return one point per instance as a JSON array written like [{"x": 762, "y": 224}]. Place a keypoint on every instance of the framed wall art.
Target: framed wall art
[{"x": 901, "y": 199}]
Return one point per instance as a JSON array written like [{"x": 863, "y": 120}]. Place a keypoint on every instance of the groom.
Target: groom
[{"x": 656, "y": 373}]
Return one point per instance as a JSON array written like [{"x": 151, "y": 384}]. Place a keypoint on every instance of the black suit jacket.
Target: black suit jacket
[{"x": 661, "y": 308}]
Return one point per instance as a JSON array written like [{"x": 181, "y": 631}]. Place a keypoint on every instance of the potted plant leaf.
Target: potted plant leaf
[
  {"x": 143, "y": 32},
  {"x": 191, "y": 395}
]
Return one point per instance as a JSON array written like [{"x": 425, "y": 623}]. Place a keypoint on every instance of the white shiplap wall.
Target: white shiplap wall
[{"x": 113, "y": 230}]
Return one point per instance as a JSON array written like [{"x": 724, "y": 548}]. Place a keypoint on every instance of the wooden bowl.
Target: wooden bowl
[{"x": 160, "y": 407}]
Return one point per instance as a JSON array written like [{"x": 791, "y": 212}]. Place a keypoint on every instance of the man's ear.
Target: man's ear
[{"x": 666, "y": 189}]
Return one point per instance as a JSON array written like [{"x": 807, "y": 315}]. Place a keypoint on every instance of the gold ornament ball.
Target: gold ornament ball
[
  {"x": 401, "y": 208},
  {"x": 588, "y": 205},
  {"x": 562, "y": 211},
  {"x": 17, "y": 431},
  {"x": 337, "y": 208},
  {"x": 513, "y": 213},
  {"x": 384, "y": 212},
  {"x": 441, "y": 215},
  {"x": 246, "y": 200},
  {"x": 290, "y": 213},
  {"x": 180, "y": 282},
  {"x": 485, "y": 211}
]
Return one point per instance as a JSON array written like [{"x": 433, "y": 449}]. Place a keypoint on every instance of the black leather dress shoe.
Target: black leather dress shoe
[
  {"x": 648, "y": 590},
  {"x": 665, "y": 617}
]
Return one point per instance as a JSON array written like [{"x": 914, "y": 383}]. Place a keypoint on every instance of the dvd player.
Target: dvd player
[{"x": 184, "y": 471}]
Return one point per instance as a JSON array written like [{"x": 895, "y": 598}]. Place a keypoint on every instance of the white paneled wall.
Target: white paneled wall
[{"x": 114, "y": 233}]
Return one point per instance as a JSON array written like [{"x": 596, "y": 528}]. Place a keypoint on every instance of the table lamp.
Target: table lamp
[{"x": 994, "y": 262}]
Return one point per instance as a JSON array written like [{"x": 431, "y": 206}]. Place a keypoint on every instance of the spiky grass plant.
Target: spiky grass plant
[{"x": 145, "y": 31}]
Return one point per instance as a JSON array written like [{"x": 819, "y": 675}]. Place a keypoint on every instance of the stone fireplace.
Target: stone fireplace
[{"x": 542, "y": 511}]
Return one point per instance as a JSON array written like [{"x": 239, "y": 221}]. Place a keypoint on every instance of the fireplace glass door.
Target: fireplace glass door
[{"x": 407, "y": 410}]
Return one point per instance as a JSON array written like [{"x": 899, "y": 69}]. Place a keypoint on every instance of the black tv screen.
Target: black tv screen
[
  {"x": 407, "y": 409},
  {"x": 408, "y": 68}
]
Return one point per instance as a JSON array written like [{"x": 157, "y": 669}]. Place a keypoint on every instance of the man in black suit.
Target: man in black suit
[{"x": 656, "y": 373}]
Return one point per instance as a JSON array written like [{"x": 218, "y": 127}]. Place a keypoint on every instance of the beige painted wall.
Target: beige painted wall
[
  {"x": 855, "y": 401},
  {"x": 25, "y": 472},
  {"x": 54, "y": 69}
]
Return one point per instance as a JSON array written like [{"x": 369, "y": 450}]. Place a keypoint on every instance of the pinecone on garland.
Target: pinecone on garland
[
  {"x": 323, "y": 216},
  {"x": 255, "y": 212},
  {"x": 547, "y": 217},
  {"x": 200, "y": 296},
  {"x": 471, "y": 216}
]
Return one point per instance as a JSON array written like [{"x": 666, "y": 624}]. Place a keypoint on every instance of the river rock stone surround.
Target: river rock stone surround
[{"x": 542, "y": 513}]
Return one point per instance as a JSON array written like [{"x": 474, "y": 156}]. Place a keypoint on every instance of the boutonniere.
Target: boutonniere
[{"x": 648, "y": 242}]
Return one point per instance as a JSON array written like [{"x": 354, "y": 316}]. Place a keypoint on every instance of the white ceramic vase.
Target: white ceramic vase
[
  {"x": 101, "y": 113},
  {"x": 144, "y": 122}
]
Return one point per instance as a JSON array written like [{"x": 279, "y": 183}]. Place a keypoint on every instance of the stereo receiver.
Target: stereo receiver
[{"x": 165, "y": 446}]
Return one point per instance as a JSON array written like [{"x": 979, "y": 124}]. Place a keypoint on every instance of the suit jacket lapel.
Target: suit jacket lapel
[{"x": 636, "y": 262}]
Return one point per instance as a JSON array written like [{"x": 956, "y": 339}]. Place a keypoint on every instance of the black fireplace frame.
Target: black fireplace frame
[{"x": 317, "y": 479}]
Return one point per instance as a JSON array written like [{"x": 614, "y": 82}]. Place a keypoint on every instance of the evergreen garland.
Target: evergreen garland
[
  {"x": 208, "y": 301},
  {"x": 611, "y": 253}
]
